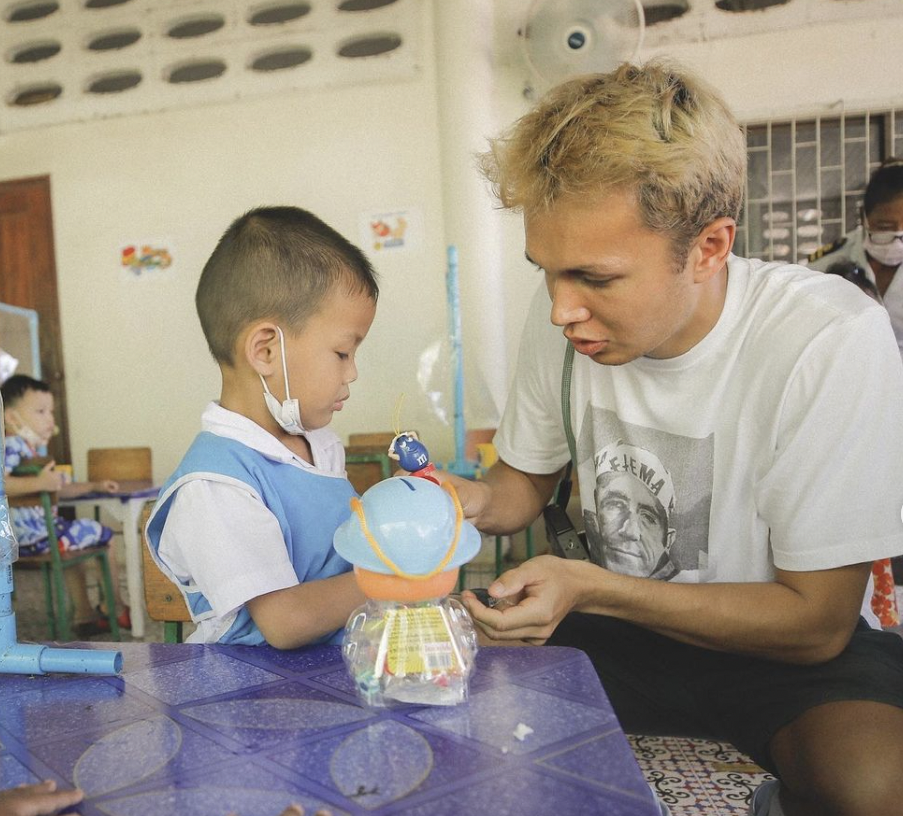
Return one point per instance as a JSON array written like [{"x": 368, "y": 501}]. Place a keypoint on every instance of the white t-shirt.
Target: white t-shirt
[
  {"x": 777, "y": 437},
  {"x": 206, "y": 529}
]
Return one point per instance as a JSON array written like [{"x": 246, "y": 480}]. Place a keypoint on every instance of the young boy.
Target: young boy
[
  {"x": 245, "y": 524},
  {"x": 28, "y": 415}
]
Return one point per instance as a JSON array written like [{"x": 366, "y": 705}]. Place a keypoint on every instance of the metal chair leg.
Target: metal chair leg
[
  {"x": 172, "y": 632},
  {"x": 108, "y": 595},
  {"x": 61, "y": 606},
  {"x": 48, "y": 600}
]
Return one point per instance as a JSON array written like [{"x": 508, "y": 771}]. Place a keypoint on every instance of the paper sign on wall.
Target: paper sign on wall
[
  {"x": 391, "y": 231},
  {"x": 140, "y": 257}
]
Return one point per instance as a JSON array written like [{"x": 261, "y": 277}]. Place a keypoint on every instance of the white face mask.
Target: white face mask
[
  {"x": 288, "y": 413},
  {"x": 20, "y": 429},
  {"x": 887, "y": 252}
]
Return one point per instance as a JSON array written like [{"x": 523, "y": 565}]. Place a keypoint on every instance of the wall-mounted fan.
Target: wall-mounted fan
[{"x": 563, "y": 38}]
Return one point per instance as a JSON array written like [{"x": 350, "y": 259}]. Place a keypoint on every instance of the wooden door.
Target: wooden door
[{"x": 28, "y": 279}]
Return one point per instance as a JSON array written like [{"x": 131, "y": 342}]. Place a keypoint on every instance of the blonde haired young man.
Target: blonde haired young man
[
  {"x": 245, "y": 524},
  {"x": 747, "y": 381}
]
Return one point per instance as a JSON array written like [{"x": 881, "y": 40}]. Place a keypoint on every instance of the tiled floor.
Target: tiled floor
[{"x": 694, "y": 777}]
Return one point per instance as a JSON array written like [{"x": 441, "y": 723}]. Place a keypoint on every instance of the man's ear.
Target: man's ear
[
  {"x": 712, "y": 247},
  {"x": 260, "y": 348}
]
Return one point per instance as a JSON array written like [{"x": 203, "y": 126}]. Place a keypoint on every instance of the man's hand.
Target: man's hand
[
  {"x": 536, "y": 596},
  {"x": 35, "y": 800},
  {"x": 473, "y": 495}
]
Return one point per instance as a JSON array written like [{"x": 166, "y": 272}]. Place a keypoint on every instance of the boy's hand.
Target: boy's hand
[
  {"x": 35, "y": 800},
  {"x": 106, "y": 486},
  {"x": 49, "y": 478}
]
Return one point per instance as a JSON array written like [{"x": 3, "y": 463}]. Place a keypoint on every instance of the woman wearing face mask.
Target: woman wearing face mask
[{"x": 876, "y": 245}]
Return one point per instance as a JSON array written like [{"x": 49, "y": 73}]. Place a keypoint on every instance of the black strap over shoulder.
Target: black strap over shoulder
[{"x": 563, "y": 494}]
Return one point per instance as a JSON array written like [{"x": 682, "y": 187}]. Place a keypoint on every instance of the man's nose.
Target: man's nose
[{"x": 567, "y": 304}]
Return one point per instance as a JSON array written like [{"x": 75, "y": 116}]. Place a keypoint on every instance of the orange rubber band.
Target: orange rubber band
[{"x": 358, "y": 508}]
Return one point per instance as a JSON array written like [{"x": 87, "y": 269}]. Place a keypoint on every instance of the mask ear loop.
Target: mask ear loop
[
  {"x": 358, "y": 508},
  {"x": 284, "y": 366}
]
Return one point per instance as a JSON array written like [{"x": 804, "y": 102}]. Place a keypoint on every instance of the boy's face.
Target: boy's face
[
  {"x": 33, "y": 410},
  {"x": 320, "y": 358}
]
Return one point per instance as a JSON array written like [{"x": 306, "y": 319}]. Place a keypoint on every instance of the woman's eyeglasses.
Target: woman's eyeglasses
[{"x": 883, "y": 237}]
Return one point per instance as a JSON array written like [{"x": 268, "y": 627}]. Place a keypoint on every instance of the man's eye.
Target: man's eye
[{"x": 342, "y": 355}]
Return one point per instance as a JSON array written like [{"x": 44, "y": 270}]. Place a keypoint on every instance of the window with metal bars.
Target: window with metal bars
[{"x": 807, "y": 177}]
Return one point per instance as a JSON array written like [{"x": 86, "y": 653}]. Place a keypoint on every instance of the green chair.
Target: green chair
[{"x": 53, "y": 564}]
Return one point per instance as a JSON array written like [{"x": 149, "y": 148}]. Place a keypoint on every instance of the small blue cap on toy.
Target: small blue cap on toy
[{"x": 413, "y": 523}]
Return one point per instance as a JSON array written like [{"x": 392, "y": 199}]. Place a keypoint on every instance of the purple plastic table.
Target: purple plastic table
[{"x": 191, "y": 729}]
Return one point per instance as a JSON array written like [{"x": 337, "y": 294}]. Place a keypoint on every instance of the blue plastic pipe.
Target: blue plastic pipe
[
  {"x": 35, "y": 658},
  {"x": 460, "y": 465}
]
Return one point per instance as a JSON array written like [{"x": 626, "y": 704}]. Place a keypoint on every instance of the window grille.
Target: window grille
[{"x": 806, "y": 180}]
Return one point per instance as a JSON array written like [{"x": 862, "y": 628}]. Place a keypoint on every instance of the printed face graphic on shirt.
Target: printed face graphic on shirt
[
  {"x": 646, "y": 497},
  {"x": 632, "y": 525},
  {"x": 634, "y": 497}
]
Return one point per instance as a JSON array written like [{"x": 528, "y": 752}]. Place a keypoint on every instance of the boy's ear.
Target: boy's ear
[
  {"x": 713, "y": 246},
  {"x": 260, "y": 348}
]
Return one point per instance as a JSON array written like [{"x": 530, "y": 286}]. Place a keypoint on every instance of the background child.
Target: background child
[
  {"x": 245, "y": 524},
  {"x": 28, "y": 414}
]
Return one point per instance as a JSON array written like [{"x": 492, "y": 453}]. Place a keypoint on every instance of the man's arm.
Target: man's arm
[
  {"x": 293, "y": 617},
  {"x": 800, "y": 617},
  {"x": 505, "y": 500}
]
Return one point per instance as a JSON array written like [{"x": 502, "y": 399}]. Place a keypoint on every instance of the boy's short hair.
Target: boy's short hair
[
  {"x": 653, "y": 130},
  {"x": 277, "y": 263},
  {"x": 885, "y": 184},
  {"x": 18, "y": 386}
]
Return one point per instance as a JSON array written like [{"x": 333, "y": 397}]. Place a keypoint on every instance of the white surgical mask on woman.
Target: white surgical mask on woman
[
  {"x": 288, "y": 412},
  {"x": 884, "y": 246}
]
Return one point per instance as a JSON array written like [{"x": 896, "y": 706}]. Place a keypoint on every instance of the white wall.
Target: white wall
[{"x": 138, "y": 371}]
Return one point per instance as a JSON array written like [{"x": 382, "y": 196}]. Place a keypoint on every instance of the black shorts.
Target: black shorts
[{"x": 659, "y": 686}]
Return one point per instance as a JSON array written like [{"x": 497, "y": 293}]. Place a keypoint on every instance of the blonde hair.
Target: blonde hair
[{"x": 663, "y": 135}]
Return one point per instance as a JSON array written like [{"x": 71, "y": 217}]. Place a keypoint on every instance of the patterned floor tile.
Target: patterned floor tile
[{"x": 693, "y": 776}]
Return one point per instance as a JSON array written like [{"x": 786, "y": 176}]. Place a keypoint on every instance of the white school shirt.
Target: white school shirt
[{"x": 206, "y": 529}]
